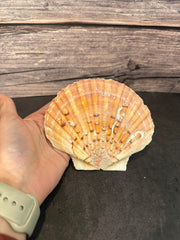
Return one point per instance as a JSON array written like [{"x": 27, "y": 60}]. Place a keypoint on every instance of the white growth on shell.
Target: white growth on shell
[
  {"x": 105, "y": 94},
  {"x": 135, "y": 134},
  {"x": 119, "y": 117}
]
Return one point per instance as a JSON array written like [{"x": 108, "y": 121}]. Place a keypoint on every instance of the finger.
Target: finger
[{"x": 7, "y": 106}]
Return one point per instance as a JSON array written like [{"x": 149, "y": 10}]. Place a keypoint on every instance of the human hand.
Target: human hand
[{"x": 28, "y": 161}]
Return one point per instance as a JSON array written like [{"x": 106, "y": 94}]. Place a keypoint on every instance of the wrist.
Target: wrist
[
  {"x": 20, "y": 185},
  {"x": 6, "y": 229}
]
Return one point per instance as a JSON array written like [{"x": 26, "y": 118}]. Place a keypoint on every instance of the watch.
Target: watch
[{"x": 19, "y": 209}]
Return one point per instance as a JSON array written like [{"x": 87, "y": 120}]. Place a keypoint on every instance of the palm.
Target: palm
[{"x": 27, "y": 159}]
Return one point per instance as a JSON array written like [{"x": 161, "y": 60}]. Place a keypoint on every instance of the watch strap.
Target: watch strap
[{"x": 20, "y": 210}]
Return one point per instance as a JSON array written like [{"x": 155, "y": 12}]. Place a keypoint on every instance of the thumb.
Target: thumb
[{"x": 7, "y": 106}]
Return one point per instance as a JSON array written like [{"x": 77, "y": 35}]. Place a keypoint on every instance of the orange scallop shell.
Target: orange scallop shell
[{"x": 100, "y": 123}]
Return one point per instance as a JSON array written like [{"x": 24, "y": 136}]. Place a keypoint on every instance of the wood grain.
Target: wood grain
[
  {"x": 47, "y": 56},
  {"x": 120, "y": 12},
  {"x": 52, "y": 88}
]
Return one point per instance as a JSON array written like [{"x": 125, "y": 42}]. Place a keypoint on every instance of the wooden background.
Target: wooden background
[{"x": 47, "y": 44}]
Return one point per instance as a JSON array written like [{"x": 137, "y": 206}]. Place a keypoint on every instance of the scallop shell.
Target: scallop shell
[{"x": 100, "y": 123}]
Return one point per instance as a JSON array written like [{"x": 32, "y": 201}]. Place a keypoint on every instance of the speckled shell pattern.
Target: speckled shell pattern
[{"x": 99, "y": 123}]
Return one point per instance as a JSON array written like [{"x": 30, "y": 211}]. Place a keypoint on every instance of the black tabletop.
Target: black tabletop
[{"x": 142, "y": 203}]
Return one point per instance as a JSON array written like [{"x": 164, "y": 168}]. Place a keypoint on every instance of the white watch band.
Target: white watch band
[{"x": 19, "y": 209}]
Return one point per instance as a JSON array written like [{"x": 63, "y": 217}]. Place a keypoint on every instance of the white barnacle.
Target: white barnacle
[
  {"x": 71, "y": 123},
  {"x": 126, "y": 102}
]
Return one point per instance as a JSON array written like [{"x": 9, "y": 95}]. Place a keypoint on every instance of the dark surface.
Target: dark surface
[{"x": 142, "y": 203}]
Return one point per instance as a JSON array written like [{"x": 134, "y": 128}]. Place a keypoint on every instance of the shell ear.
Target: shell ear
[
  {"x": 119, "y": 166},
  {"x": 81, "y": 165}
]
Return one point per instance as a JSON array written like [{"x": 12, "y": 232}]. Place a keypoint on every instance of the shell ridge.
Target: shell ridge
[
  {"x": 98, "y": 117},
  {"x": 88, "y": 98},
  {"x": 76, "y": 136},
  {"x": 67, "y": 132},
  {"x": 130, "y": 97},
  {"x": 125, "y": 141},
  {"x": 60, "y": 135},
  {"x": 94, "y": 110},
  {"x": 103, "y": 116},
  {"x": 54, "y": 137},
  {"x": 145, "y": 135},
  {"x": 123, "y": 85},
  {"x": 83, "y": 98},
  {"x": 139, "y": 147},
  {"x": 120, "y": 117},
  {"x": 117, "y": 122},
  {"x": 101, "y": 112},
  {"x": 107, "y": 116},
  {"x": 116, "y": 115},
  {"x": 96, "y": 105},
  {"x": 119, "y": 137},
  {"x": 140, "y": 122},
  {"x": 74, "y": 120}
]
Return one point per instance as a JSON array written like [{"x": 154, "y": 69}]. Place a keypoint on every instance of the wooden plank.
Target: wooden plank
[
  {"x": 140, "y": 12},
  {"x": 38, "y": 58},
  {"x": 52, "y": 88}
]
